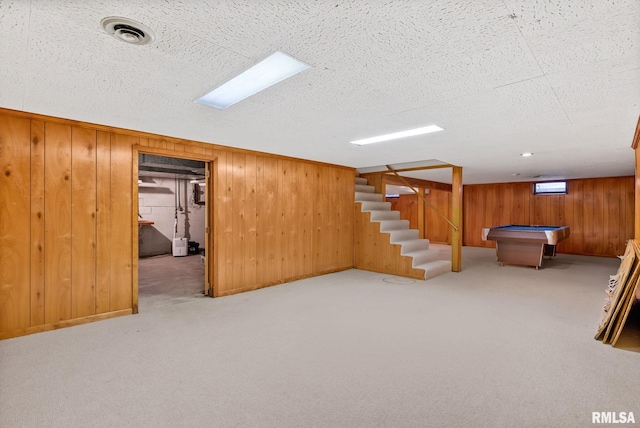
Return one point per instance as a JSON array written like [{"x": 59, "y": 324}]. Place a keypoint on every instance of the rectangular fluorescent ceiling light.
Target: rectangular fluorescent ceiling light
[
  {"x": 271, "y": 70},
  {"x": 396, "y": 135}
]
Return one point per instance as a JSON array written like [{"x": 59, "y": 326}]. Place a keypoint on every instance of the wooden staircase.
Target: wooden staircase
[{"x": 384, "y": 243}]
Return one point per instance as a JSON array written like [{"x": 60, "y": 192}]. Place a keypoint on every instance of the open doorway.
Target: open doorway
[{"x": 172, "y": 230}]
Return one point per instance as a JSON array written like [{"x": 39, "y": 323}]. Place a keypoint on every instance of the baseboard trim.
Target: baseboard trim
[
  {"x": 283, "y": 281},
  {"x": 63, "y": 324}
]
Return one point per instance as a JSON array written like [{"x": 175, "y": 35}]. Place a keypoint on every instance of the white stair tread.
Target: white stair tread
[
  {"x": 389, "y": 225},
  {"x": 435, "y": 268},
  {"x": 398, "y": 236},
  {"x": 361, "y": 180},
  {"x": 365, "y": 188},
  {"x": 366, "y": 196},
  {"x": 414, "y": 245},
  {"x": 384, "y": 215},
  {"x": 429, "y": 260},
  {"x": 375, "y": 206},
  {"x": 423, "y": 256}
]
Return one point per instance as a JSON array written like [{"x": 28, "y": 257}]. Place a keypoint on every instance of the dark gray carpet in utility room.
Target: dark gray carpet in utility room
[{"x": 167, "y": 280}]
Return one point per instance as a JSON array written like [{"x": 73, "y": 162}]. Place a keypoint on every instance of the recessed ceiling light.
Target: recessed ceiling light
[
  {"x": 516, "y": 174},
  {"x": 397, "y": 135},
  {"x": 526, "y": 154},
  {"x": 271, "y": 70}
]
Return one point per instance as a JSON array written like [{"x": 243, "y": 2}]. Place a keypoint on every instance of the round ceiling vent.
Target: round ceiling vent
[{"x": 127, "y": 30}]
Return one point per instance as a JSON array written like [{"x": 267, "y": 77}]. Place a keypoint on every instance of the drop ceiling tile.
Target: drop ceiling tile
[
  {"x": 568, "y": 35},
  {"x": 500, "y": 76}
]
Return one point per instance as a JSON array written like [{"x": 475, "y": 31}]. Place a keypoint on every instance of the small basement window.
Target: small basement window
[{"x": 550, "y": 188}]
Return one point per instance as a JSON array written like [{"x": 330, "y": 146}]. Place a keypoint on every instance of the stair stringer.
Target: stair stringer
[
  {"x": 431, "y": 261},
  {"x": 374, "y": 251}
]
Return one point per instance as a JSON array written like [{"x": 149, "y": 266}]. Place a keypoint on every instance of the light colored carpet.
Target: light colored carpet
[{"x": 488, "y": 347}]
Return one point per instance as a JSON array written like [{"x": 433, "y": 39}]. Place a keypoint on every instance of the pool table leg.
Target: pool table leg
[{"x": 549, "y": 250}]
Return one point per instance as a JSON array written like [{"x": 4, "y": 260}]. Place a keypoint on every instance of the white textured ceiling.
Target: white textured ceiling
[{"x": 560, "y": 78}]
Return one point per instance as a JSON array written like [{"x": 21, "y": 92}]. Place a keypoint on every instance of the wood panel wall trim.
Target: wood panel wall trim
[
  {"x": 63, "y": 324},
  {"x": 135, "y": 241},
  {"x": 103, "y": 222},
  {"x": 282, "y": 281},
  {"x": 457, "y": 219},
  {"x": 204, "y": 157},
  {"x": 210, "y": 248},
  {"x": 15, "y": 227},
  {"x": 83, "y": 221},
  {"x": 423, "y": 168},
  {"x": 171, "y": 140},
  {"x": 636, "y": 136},
  {"x": 37, "y": 223},
  {"x": 415, "y": 182},
  {"x": 57, "y": 219}
]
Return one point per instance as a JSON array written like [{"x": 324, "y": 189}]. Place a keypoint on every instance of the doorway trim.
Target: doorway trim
[{"x": 210, "y": 249}]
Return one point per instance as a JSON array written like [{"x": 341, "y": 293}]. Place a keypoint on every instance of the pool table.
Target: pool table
[{"x": 525, "y": 245}]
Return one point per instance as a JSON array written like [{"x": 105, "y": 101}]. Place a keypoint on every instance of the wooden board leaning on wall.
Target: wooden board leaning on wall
[{"x": 620, "y": 295}]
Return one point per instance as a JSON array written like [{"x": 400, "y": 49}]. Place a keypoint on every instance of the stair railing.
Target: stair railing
[{"x": 422, "y": 197}]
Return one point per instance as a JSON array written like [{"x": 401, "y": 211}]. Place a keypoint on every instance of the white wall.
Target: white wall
[{"x": 157, "y": 203}]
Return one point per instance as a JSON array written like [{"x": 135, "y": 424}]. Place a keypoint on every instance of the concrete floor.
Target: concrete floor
[{"x": 167, "y": 280}]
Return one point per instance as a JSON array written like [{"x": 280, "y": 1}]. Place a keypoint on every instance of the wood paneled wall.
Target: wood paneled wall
[
  {"x": 408, "y": 207},
  {"x": 62, "y": 204},
  {"x": 278, "y": 219},
  {"x": 437, "y": 230},
  {"x": 66, "y": 214},
  {"x": 599, "y": 211}
]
